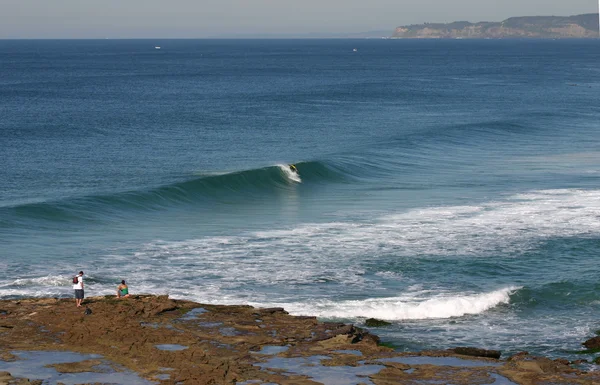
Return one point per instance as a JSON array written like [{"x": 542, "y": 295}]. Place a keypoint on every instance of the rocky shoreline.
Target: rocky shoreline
[{"x": 167, "y": 341}]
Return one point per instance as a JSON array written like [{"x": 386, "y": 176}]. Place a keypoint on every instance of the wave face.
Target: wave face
[
  {"x": 449, "y": 187},
  {"x": 245, "y": 185}
]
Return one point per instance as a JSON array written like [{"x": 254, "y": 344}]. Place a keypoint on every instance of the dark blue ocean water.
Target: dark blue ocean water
[{"x": 449, "y": 187}]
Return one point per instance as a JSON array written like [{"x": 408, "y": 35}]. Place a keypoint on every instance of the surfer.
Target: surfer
[{"x": 293, "y": 168}]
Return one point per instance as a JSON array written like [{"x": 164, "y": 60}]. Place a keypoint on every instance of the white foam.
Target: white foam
[
  {"x": 513, "y": 225},
  {"x": 327, "y": 260},
  {"x": 49, "y": 280},
  {"x": 289, "y": 174},
  {"x": 33, "y": 292},
  {"x": 401, "y": 308},
  {"x": 294, "y": 261}
]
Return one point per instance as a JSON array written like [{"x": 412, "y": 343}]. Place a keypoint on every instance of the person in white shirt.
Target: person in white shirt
[{"x": 78, "y": 287}]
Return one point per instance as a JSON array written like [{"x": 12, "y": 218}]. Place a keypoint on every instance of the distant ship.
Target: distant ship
[{"x": 157, "y": 47}]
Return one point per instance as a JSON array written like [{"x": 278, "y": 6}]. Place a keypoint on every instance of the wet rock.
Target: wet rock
[
  {"x": 270, "y": 310},
  {"x": 374, "y": 323},
  {"x": 78, "y": 367},
  {"x": 391, "y": 364},
  {"x": 562, "y": 361},
  {"x": 579, "y": 362},
  {"x": 529, "y": 366},
  {"x": 592, "y": 343},
  {"x": 5, "y": 377},
  {"x": 163, "y": 309},
  {"x": 6, "y": 356},
  {"x": 476, "y": 352},
  {"x": 518, "y": 356},
  {"x": 342, "y": 332},
  {"x": 542, "y": 365},
  {"x": 589, "y": 351}
]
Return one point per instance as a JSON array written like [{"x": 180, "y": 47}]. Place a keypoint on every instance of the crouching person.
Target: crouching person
[{"x": 123, "y": 290}]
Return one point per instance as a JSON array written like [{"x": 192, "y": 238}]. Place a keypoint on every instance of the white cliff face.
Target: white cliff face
[{"x": 574, "y": 30}]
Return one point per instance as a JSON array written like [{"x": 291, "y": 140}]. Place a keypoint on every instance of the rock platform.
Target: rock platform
[{"x": 168, "y": 341}]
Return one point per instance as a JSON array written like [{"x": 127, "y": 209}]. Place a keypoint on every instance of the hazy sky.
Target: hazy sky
[{"x": 204, "y": 18}]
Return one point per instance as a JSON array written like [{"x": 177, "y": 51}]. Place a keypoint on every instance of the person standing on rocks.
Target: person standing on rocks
[{"x": 78, "y": 287}]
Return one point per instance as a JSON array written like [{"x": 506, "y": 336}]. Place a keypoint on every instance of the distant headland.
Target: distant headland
[{"x": 551, "y": 27}]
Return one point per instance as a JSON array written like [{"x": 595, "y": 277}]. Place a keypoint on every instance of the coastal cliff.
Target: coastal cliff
[{"x": 555, "y": 27}]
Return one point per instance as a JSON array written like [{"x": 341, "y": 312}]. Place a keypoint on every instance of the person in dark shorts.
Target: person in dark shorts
[{"x": 78, "y": 287}]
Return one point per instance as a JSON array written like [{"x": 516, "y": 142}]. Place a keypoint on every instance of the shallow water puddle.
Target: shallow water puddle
[
  {"x": 501, "y": 380},
  {"x": 210, "y": 324},
  {"x": 229, "y": 332},
  {"x": 149, "y": 325},
  {"x": 193, "y": 314},
  {"x": 439, "y": 361},
  {"x": 171, "y": 347},
  {"x": 353, "y": 352},
  {"x": 165, "y": 375},
  {"x": 449, "y": 361},
  {"x": 328, "y": 375},
  {"x": 272, "y": 349},
  {"x": 34, "y": 365}
]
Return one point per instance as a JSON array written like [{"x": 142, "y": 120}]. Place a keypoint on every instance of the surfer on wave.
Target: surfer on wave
[{"x": 293, "y": 168}]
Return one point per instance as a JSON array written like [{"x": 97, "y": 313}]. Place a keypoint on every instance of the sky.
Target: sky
[{"x": 215, "y": 18}]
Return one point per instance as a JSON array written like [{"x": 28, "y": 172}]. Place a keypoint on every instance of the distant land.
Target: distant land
[{"x": 550, "y": 27}]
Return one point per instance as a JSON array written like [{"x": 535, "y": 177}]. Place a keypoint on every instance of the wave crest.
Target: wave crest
[
  {"x": 203, "y": 189},
  {"x": 398, "y": 308}
]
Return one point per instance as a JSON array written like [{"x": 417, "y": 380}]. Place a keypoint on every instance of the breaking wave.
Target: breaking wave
[{"x": 407, "y": 308}]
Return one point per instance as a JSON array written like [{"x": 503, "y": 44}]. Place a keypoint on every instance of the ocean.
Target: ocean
[{"x": 450, "y": 187}]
